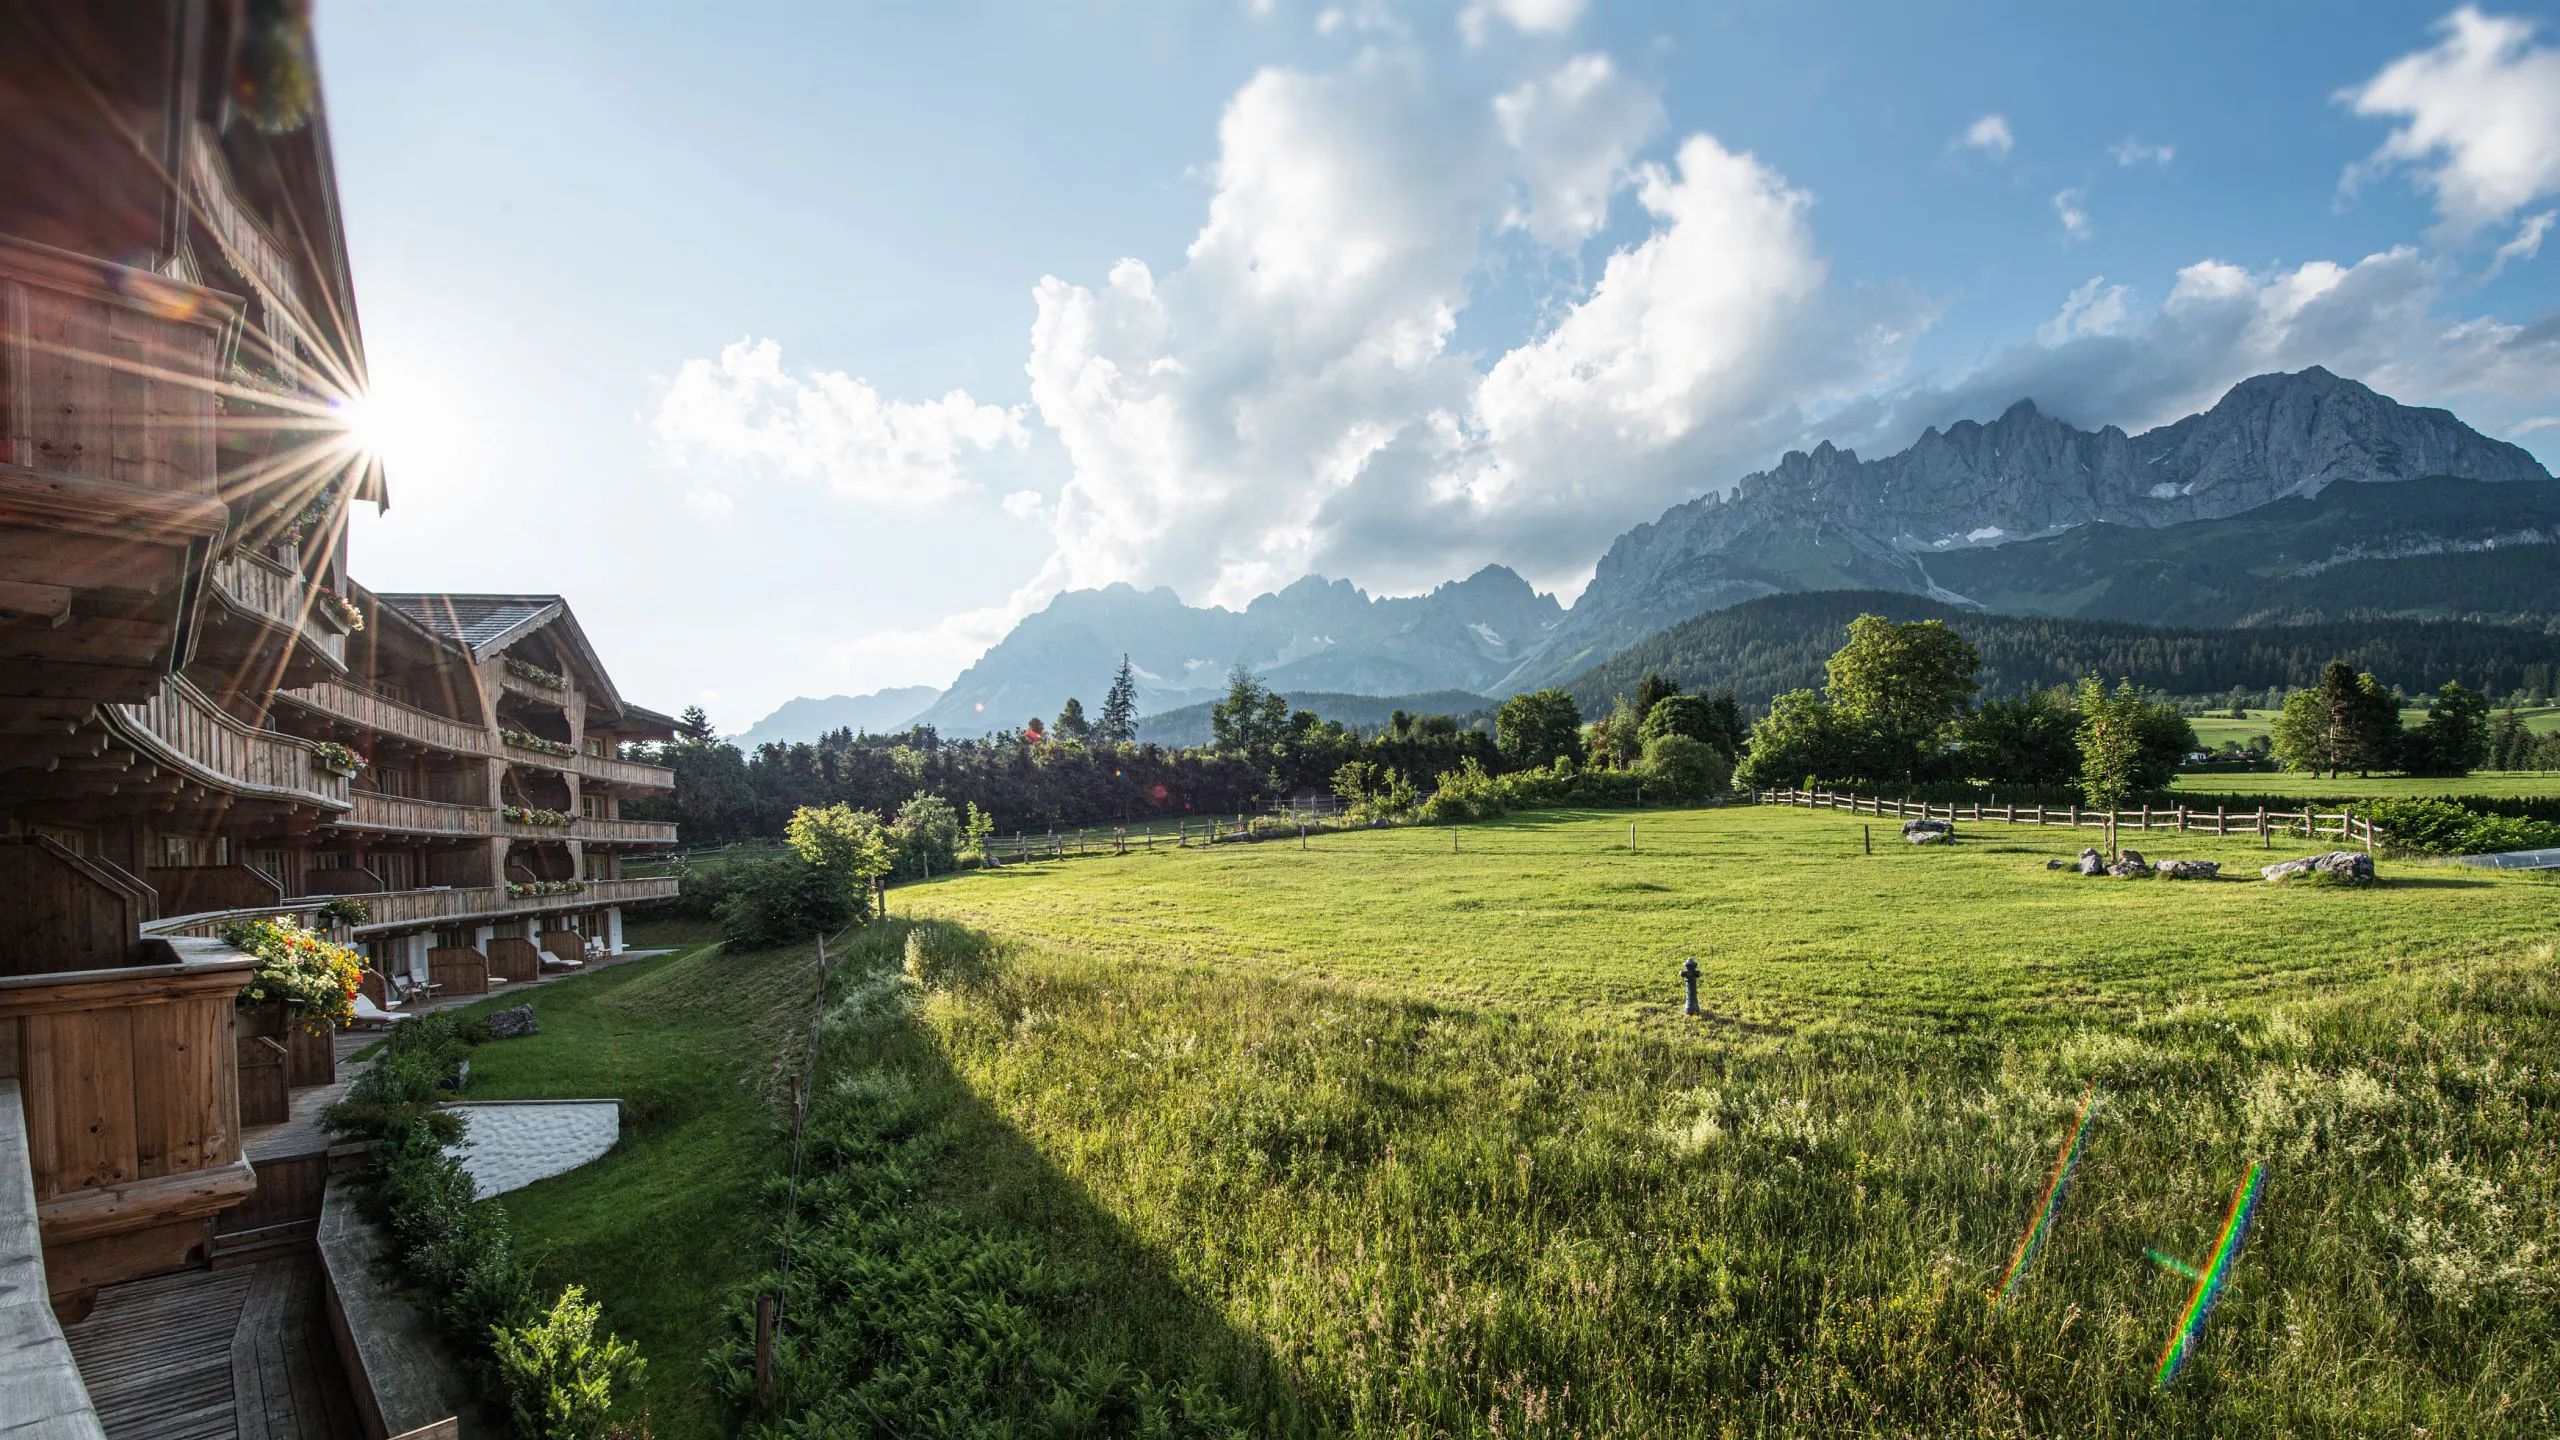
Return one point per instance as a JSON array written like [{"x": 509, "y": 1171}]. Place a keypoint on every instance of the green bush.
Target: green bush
[
  {"x": 2442, "y": 827},
  {"x": 775, "y": 902},
  {"x": 560, "y": 1379}
]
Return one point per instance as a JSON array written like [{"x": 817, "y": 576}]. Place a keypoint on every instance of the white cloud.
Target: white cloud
[
  {"x": 2526, "y": 244},
  {"x": 714, "y": 504},
  {"x": 1572, "y": 133},
  {"x": 1990, "y": 135},
  {"x": 2377, "y": 320},
  {"x": 1529, "y": 17},
  {"x": 1207, "y": 411},
  {"x": 2071, "y": 208},
  {"x": 2096, "y": 308},
  {"x": 2480, "y": 118},
  {"x": 1023, "y": 504},
  {"x": 826, "y": 424},
  {"x": 2130, "y": 152},
  {"x": 2538, "y": 422}
]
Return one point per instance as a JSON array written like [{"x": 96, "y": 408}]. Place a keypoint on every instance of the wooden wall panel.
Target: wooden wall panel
[
  {"x": 80, "y": 1090},
  {"x": 458, "y": 970},
  {"x": 179, "y": 1120}
]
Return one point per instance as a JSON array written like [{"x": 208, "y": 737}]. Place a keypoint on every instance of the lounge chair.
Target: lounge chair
[{"x": 369, "y": 1016}]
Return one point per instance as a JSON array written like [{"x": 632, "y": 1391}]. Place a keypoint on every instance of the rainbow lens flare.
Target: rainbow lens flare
[
  {"x": 2033, "y": 1240},
  {"x": 2235, "y": 1228}
]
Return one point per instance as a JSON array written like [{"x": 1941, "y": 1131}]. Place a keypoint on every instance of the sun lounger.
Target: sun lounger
[{"x": 371, "y": 1016}]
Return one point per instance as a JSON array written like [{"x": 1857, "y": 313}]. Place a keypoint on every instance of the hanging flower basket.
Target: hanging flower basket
[{"x": 335, "y": 758}]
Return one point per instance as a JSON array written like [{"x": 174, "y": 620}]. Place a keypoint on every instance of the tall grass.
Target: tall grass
[{"x": 1068, "y": 1192}]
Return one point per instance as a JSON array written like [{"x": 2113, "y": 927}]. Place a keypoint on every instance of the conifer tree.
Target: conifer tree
[{"x": 1119, "y": 722}]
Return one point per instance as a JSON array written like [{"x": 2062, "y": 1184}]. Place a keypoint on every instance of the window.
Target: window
[
  {"x": 269, "y": 862},
  {"x": 452, "y": 937},
  {"x": 178, "y": 852},
  {"x": 591, "y": 806},
  {"x": 595, "y": 747},
  {"x": 329, "y": 860},
  {"x": 396, "y": 869}
]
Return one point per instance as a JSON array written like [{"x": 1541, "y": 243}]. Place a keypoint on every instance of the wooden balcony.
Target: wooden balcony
[
  {"x": 132, "y": 1108},
  {"x": 247, "y": 245},
  {"x": 607, "y": 770},
  {"x": 625, "y": 832},
  {"x": 535, "y": 690},
  {"x": 402, "y": 815},
  {"x": 288, "y": 628},
  {"x": 182, "y": 729},
  {"x": 409, "y": 909},
  {"x": 382, "y": 715}
]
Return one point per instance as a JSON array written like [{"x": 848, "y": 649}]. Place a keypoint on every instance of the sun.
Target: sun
[{"x": 373, "y": 424}]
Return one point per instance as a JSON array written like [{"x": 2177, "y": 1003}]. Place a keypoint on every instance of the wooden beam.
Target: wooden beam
[
  {"x": 48, "y": 603},
  {"x": 55, "y": 680}
]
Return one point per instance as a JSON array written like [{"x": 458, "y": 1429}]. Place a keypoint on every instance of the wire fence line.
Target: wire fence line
[{"x": 2219, "y": 820}]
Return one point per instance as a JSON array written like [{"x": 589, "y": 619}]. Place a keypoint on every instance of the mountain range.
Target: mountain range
[
  {"x": 807, "y": 719},
  {"x": 2296, "y": 497}
]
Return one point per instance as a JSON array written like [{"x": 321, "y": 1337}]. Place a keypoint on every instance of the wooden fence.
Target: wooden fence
[{"x": 2343, "y": 823}]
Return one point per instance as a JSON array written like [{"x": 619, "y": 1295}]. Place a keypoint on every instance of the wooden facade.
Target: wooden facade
[{"x": 182, "y": 653}]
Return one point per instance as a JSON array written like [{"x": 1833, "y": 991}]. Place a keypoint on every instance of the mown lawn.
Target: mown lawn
[
  {"x": 661, "y": 1228},
  {"x": 2374, "y": 787},
  {"x": 2221, "y": 729},
  {"x": 1379, "y": 1139}
]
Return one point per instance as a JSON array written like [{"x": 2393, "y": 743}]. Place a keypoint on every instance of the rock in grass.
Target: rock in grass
[
  {"x": 1928, "y": 832},
  {"x": 513, "y": 1021},
  {"x": 2189, "y": 869},
  {"x": 2130, "y": 867},
  {"x": 2092, "y": 863},
  {"x": 2338, "y": 867}
]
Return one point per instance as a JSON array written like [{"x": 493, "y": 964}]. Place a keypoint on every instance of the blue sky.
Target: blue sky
[{"x": 804, "y": 348}]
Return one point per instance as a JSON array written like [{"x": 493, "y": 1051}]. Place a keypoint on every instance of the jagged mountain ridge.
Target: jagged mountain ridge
[
  {"x": 1313, "y": 635},
  {"x": 1829, "y": 520},
  {"x": 805, "y": 718},
  {"x": 2016, "y": 508}
]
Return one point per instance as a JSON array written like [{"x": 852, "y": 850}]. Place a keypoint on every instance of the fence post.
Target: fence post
[
  {"x": 2265, "y": 841},
  {"x": 2075, "y": 815},
  {"x": 2222, "y": 819},
  {"x": 2146, "y": 818},
  {"x": 1631, "y": 837},
  {"x": 2182, "y": 819},
  {"x": 1871, "y": 838}
]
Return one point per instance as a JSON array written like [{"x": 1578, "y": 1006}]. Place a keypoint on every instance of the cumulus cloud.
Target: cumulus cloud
[
  {"x": 2526, "y": 244},
  {"x": 2479, "y": 117},
  {"x": 715, "y": 504},
  {"x": 2129, "y": 152},
  {"x": 1990, "y": 135},
  {"x": 2096, "y": 308},
  {"x": 1529, "y": 17},
  {"x": 1023, "y": 504},
  {"x": 2376, "y": 320},
  {"x": 1572, "y": 134},
  {"x": 745, "y": 407},
  {"x": 2071, "y": 208}
]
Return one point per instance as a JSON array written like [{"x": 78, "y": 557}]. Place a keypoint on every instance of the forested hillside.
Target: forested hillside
[{"x": 1779, "y": 643}]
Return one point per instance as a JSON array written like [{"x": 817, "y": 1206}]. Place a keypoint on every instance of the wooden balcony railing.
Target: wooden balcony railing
[
  {"x": 187, "y": 731},
  {"x": 515, "y": 684},
  {"x": 608, "y": 769},
  {"x": 417, "y": 817},
  {"x": 405, "y": 909},
  {"x": 384, "y": 715},
  {"x": 132, "y": 1108},
  {"x": 247, "y": 244},
  {"x": 186, "y": 890},
  {"x": 625, "y": 832},
  {"x": 268, "y": 592}
]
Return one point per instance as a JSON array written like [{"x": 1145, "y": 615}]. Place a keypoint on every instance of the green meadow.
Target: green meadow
[
  {"x": 2370, "y": 787},
  {"x": 1380, "y": 1137},
  {"x": 2219, "y": 729}
]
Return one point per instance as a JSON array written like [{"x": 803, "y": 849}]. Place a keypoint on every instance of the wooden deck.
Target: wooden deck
[{"x": 236, "y": 1354}]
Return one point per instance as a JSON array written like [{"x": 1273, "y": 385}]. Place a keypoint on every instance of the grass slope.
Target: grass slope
[
  {"x": 661, "y": 1228},
  {"x": 2218, "y": 730},
  {"x": 2533, "y": 783}
]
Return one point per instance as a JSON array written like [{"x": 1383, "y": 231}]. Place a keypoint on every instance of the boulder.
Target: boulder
[
  {"x": 513, "y": 1021},
  {"x": 2343, "y": 867},
  {"x": 1921, "y": 832},
  {"x": 2189, "y": 869},
  {"x": 1930, "y": 837},
  {"x": 2133, "y": 858},
  {"x": 2057, "y": 864},
  {"x": 2092, "y": 863},
  {"x": 2130, "y": 867}
]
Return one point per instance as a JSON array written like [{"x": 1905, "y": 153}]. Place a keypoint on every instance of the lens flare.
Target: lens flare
[
  {"x": 2216, "y": 1275},
  {"x": 2054, "y": 1185}
]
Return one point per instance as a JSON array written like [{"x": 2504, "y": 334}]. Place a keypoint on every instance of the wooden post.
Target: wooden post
[
  {"x": 1453, "y": 839},
  {"x": 1871, "y": 838},
  {"x": 1631, "y": 837},
  {"x": 2265, "y": 842},
  {"x": 2222, "y": 819},
  {"x": 764, "y": 1351}
]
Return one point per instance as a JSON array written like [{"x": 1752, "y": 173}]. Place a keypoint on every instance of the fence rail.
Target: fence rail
[{"x": 2264, "y": 823}]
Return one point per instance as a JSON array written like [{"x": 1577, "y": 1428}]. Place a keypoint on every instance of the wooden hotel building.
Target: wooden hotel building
[{"x": 203, "y": 715}]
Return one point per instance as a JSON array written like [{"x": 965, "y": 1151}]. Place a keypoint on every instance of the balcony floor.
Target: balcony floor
[{"x": 235, "y": 1354}]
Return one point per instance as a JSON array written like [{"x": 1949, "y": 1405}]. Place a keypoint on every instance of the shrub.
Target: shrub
[
  {"x": 2442, "y": 827},
  {"x": 296, "y": 964},
  {"x": 775, "y": 902},
  {"x": 1687, "y": 769},
  {"x": 560, "y": 1379}
]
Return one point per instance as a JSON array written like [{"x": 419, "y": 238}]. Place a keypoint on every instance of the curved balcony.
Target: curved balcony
[
  {"x": 284, "y": 603},
  {"x": 182, "y": 729},
  {"x": 408, "y": 909},
  {"x": 608, "y": 770},
  {"x": 625, "y": 832},
  {"x": 402, "y": 815},
  {"x": 383, "y": 715}
]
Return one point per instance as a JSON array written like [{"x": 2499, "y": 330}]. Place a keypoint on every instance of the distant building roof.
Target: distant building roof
[{"x": 483, "y": 624}]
